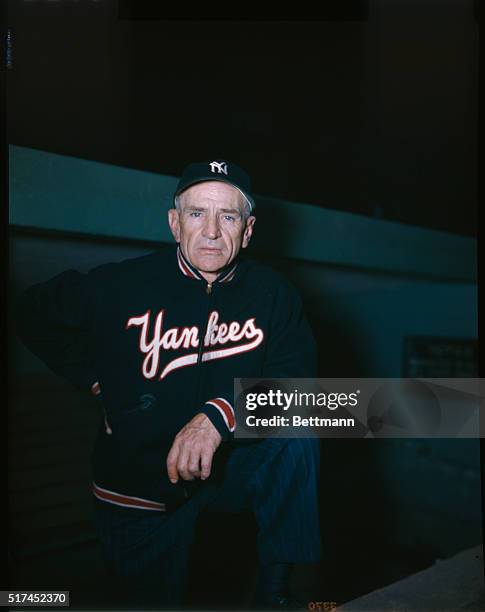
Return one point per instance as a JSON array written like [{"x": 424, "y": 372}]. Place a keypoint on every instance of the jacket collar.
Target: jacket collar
[{"x": 187, "y": 269}]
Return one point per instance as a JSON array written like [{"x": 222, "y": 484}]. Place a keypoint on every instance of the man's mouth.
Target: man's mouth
[{"x": 210, "y": 250}]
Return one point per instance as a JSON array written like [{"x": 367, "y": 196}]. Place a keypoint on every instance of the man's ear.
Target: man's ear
[
  {"x": 174, "y": 223},
  {"x": 248, "y": 231}
]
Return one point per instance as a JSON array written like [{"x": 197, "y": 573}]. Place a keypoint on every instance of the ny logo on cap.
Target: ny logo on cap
[{"x": 219, "y": 167}]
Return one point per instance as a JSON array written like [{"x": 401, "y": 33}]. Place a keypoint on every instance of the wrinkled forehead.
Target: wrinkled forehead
[{"x": 213, "y": 192}]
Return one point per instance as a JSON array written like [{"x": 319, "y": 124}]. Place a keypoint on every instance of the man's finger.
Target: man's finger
[
  {"x": 206, "y": 463},
  {"x": 172, "y": 460},
  {"x": 183, "y": 463},
  {"x": 194, "y": 462}
]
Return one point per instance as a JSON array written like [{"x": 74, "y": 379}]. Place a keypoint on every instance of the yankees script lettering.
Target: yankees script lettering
[{"x": 188, "y": 337}]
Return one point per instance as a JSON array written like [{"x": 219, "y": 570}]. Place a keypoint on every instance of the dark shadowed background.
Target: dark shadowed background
[{"x": 371, "y": 110}]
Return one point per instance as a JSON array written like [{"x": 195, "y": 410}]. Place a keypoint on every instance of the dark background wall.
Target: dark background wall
[{"x": 372, "y": 111}]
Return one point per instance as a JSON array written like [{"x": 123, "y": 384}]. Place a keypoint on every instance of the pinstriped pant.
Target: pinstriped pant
[{"x": 147, "y": 556}]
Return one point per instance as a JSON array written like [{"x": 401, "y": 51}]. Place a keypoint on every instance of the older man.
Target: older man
[{"x": 159, "y": 340}]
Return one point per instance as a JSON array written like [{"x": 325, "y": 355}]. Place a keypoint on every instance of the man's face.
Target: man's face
[{"x": 210, "y": 226}]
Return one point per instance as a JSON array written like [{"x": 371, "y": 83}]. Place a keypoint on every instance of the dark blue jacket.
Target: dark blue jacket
[{"x": 161, "y": 345}]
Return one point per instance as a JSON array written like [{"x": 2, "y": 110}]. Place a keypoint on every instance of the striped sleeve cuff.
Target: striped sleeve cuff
[{"x": 221, "y": 414}]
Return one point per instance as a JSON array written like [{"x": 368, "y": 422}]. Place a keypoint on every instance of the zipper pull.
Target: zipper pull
[
  {"x": 108, "y": 429},
  {"x": 208, "y": 289}
]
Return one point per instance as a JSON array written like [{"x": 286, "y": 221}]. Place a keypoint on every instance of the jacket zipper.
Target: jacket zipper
[{"x": 208, "y": 291}]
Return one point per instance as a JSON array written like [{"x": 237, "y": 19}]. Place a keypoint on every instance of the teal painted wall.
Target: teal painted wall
[{"x": 52, "y": 191}]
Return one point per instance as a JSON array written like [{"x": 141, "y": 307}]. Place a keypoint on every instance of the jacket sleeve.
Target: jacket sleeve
[
  {"x": 54, "y": 319},
  {"x": 290, "y": 353}
]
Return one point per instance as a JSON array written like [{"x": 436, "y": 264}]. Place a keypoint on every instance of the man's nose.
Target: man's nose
[{"x": 211, "y": 227}]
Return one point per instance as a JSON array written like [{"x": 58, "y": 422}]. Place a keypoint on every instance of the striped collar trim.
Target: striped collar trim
[
  {"x": 189, "y": 270},
  {"x": 226, "y": 277},
  {"x": 186, "y": 268}
]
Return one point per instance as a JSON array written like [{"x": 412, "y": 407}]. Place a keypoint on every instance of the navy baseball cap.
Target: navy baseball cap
[{"x": 217, "y": 170}]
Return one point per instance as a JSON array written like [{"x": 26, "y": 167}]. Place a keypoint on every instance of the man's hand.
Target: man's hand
[{"x": 192, "y": 450}]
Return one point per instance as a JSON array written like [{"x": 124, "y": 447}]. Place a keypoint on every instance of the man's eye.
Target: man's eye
[
  {"x": 229, "y": 218},
  {"x": 195, "y": 213}
]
